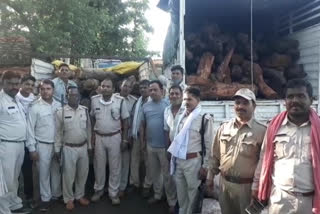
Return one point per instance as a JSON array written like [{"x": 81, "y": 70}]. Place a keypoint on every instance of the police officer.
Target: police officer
[
  {"x": 40, "y": 141},
  {"x": 13, "y": 128},
  {"x": 73, "y": 137},
  {"x": 235, "y": 154},
  {"x": 189, "y": 161},
  {"x": 109, "y": 114},
  {"x": 129, "y": 100}
]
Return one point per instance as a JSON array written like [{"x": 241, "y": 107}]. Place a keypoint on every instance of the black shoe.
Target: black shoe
[
  {"x": 146, "y": 192},
  {"x": 44, "y": 206},
  {"x": 132, "y": 189},
  {"x": 22, "y": 210}
]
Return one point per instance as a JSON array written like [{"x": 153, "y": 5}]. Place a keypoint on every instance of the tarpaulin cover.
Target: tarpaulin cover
[
  {"x": 124, "y": 68},
  {"x": 57, "y": 63}
]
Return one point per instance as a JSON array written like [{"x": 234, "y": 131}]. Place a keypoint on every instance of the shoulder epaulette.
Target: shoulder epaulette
[
  {"x": 84, "y": 107},
  {"x": 133, "y": 97},
  {"x": 37, "y": 100},
  {"x": 262, "y": 123},
  {"x": 118, "y": 96},
  {"x": 96, "y": 96}
]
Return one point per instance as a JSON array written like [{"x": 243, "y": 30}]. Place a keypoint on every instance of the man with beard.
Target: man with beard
[
  {"x": 73, "y": 139},
  {"x": 235, "y": 154},
  {"x": 151, "y": 128},
  {"x": 110, "y": 121},
  {"x": 61, "y": 83},
  {"x": 177, "y": 73},
  {"x": 40, "y": 143},
  {"x": 137, "y": 151},
  {"x": 288, "y": 173},
  {"x": 13, "y": 134},
  {"x": 129, "y": 101},
  {"x": 189, "y": 162}
]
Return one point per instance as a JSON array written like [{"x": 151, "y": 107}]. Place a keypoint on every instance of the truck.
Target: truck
[{"x": 298, "y": 19}]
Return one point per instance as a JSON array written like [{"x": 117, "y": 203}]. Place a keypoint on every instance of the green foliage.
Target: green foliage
[{"x": 78, "y": 27}]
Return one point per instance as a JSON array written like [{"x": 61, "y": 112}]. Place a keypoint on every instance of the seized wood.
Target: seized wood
[
  {"x": 275, "y": 79},
  {"x": 217, "y": 90},
  {"x": 237, "y": 59},
  {"x": 236, "y": 73},
  {"x": 277, "y": 60},
  {"x": 282, "y": 45},
  {"x": 205, "y": 65},
  {"x": 223, "y": 73},
  {"x": 267, "y": 91},
  {"x": 98, "y": 74},
  {"x": 197, "y": 80},
  {"x": 295, "y": 71}
]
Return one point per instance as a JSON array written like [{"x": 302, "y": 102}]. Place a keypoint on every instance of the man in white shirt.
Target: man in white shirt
[{"x": 25, "y": 95}]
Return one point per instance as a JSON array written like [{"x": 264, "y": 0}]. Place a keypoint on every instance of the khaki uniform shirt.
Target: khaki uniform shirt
[
  {"x": 235, "y": 151},
  {"x": 41, "y": 123},
  {"x": 170, "y": 121},
  {"x": 194, "y": 144},
  {"x": 292, "y": 159},
  {"x": 13, "y": 125},
  {"x": 108, "y": 115},
  {"x": 73, "y": 126}
]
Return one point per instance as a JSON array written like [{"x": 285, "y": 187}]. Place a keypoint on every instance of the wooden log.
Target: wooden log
[
  {"x": 205, "y": 65},
  {"x": 264, "y": 89},
  {"x": 277, "y": 60},
  {"x": 98, "y": 74},
  {"x": 217, "y": 90},
  {"x": 223, "y": 73},
  {"x": 197, "y": 80},
  {"x": 236, "y": 73},
  {"x": 294, "y": 53},
  {"x": 237, "y": 59},
  {"x": 295, "y": 71},
  {"x": 276, "y": 80},
  {"x": 282, "y": 45}
]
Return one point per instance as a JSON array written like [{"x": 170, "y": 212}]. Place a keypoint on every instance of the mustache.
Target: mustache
[
  {"x": 295, "y": 105},
  {"x": 241, "y": 110}
]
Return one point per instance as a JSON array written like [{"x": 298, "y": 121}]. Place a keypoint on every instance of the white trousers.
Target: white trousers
[
  {"x": 49, "y": 172},
  {"x": 137, "y": 157},
  {"x": 107, "y": 147},
  {"x": 159, "y": 165},
  {"x": 75, "y": 172},
  {"x": 187, "y": 182},
  {"x": 11, "y": 158},
  {"x": 125, "y": 166}
]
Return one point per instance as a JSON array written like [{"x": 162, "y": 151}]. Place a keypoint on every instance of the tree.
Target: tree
[{"x": 78, "y": 27}]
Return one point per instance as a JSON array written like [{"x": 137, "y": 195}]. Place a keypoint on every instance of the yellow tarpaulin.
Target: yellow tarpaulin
[
  {"x": 57, "y": 63},
  {"x": 124, "y": 68}
]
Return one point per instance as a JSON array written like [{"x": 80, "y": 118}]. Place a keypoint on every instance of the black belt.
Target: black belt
[
  {"x": 237, "y": 180},
  {"x": 13, "y": 141},
  {"x": 305, "y": 194},
  {"x": 45, "y": 142},
  {"x": 75, "y": 145}
]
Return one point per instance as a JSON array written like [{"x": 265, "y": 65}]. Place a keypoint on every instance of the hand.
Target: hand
[
  {"x": 34, "y": 156},
  {"x": 57, "y": 156},
  {"x": 209, "y": 184},
  {"x": 202, "y": 173}
]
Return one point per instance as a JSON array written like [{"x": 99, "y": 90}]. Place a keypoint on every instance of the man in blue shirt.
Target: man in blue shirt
[{"x": 152, "y": 135}]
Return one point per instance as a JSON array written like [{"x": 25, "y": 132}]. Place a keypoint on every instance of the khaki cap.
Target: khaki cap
[{"x": 246, "y": 94}]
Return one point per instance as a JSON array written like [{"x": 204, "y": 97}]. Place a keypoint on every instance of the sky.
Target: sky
[{"x": 159, "y": 20}]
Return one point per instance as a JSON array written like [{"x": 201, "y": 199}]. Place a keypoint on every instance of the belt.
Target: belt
[
  {"x": 237, "y": 180},
  {"x": 109, "y": 134},
  {"x": 192, "y": 155},
  {"x": 45, "y": 142},
  {"x": 305, "y": 194},
  {"x": 75, "y": 145},
  {"x": 13, "y": 141}
]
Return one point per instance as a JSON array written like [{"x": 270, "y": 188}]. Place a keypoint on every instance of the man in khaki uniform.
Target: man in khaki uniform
[
  {"x": 109, "y": 114},
  {"x": 40, "y": 143},
  {"x": 13, "y": 128},
  {"x": 235, "y": 154},
  {"x": 293, "y": 178},
  {"x": 138, "y": 153},
  {"x": 73, "y": 136},
  {"x": 187, "y": 164},
  {"x": 129, "y": 100}
]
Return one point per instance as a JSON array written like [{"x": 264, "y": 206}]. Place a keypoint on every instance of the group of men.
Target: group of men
[{"x": 276, "y": 164}]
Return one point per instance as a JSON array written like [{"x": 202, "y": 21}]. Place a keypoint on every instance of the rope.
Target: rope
[{"x": 251, "y": 42}]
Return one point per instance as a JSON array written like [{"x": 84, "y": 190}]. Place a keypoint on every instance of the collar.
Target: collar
[
  {"x": 249, "y": 123},
  {"x": 107, "y": 102},
  {"x": 7, "y": 95},
  {"x": 286, "y": 121}
]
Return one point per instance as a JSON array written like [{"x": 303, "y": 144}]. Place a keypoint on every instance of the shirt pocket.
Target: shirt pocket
[
  {"x": 225, "y": 140},
  {"x": 115, "y": 113},
  {"x": 281, "y": 146},
  {"x": 46, "y": 119},
  {"x": 83, "y": 122},
  {"x": 306, "y": 148},
  {"x": 249, "y": 147}
]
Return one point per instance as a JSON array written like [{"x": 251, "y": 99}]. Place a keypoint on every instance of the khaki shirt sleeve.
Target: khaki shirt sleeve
[
  {"x": 214, "y": 159},
  {"x": 31, "y": 125},
  {"x": 124, "y": 111},
  {"x": 59, "y": 131},
  {"x": 255, "y": 184},
  {"x": 208, "y": 137},
  {"x": 89, "y": 129}
]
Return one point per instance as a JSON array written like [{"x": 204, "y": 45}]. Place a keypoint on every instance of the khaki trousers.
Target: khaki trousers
[
  {"x": 49, "y": 172},
  {"x": 107, "y": 147},
  {"x": 75, "y": 171},
  {"x": 159, "y": 165},
  {"x": 11, "y": 158},
  {"x": 234, "y": 198},
  {"x": 137, "y": 156},
  {"x": 187, "y": 182},
  {"x": 283, "y": 202},
  {"x": 125, "y": 166}
]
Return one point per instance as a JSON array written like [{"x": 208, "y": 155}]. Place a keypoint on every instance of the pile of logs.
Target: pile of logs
[{"x": 220, "y": 63}]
